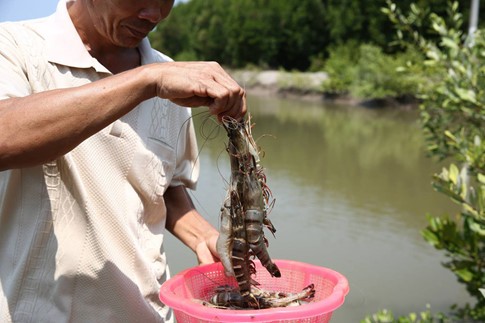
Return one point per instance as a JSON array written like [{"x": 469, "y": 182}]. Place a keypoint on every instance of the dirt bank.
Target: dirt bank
[
  {"x": 297, "y": 84},
  {"x": 306, "y": 86}
]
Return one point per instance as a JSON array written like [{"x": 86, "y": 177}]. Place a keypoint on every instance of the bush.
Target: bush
[
  {"x": 366, "y": 72},
  {"x": 386, "y": 316},
  {"x": 341, "y": 69},
  {"x": 453, "y": 118}
]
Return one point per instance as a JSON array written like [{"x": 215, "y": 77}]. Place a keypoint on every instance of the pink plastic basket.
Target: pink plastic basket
[{"x": 199, "y": 282}]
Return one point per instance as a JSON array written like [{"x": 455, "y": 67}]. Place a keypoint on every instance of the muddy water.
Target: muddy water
[{"x": 352, "y": 188}]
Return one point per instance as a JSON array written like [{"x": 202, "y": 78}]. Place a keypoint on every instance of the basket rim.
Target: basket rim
[{"x": 312, "y": 309}]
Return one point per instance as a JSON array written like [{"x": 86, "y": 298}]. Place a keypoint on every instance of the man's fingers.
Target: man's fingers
[
  {"x": 193, "y": 101},
  {"x": 236, "y": 109},
  {"x": 195, "y": 84},
  {"x": 227, "y": 99}
]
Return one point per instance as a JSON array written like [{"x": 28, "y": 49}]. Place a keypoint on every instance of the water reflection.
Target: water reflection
[
  {"x": 352, "y": 187},
  {"x": 370, "y": 157}
]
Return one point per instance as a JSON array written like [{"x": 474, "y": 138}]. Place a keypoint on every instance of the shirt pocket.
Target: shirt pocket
[
  {"x": 150, "y": 175},
  {"x": 165, "y": 155}
]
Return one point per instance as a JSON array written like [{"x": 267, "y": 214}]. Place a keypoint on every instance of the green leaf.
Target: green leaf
[
  {"x": 413, "y": 316},
  {"x": 450, "y": 135},
  {"x": 448, "y": 42},
  {"x": 464, "y": 192},
  {"x": 430, "y": 237},
  {"x": 468, "y": 208},
  {"x": 454, "y": 6},
  {"x": 466, "y": 95},
  {"x": 481, "y": 178},
  {"x": 454, "y": 173},
  {"x": 476, "y": 227},
  {"x": 464, "y": 274},
  {"x": 482, "y": 290},
  {"x": 433, "y": 55},
  {"x": 415, "y": 9}
]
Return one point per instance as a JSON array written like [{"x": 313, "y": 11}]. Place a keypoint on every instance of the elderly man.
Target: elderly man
[{"x": 97, "y": 149}]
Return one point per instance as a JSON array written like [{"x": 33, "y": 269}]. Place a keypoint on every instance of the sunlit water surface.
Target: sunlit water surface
[{"x": 352, "y": 190}]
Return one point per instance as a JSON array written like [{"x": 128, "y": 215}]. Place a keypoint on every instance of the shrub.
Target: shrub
[
  {"x": 453, "y": 118},
  {"x": 366, "y": 72}
]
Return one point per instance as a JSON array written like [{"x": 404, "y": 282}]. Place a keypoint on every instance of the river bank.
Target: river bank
[{"x": 307, "y": 86}]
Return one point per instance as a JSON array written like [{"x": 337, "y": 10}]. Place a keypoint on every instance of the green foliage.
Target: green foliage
[
  {"x": 175, "y": 33},
  {"x": 357, "y": 21},
  {"x": 341, "y": 69},
  {"x": 291, "y": 34},
  {"x": 250, "y": 35},
  {"x": 365, "y": 71},
  {"x": 386, "y": 316},
  {"x": 380, "y": 75},
  {"x": 453, "y": 118},
  {"x": 267, "y": 33}
]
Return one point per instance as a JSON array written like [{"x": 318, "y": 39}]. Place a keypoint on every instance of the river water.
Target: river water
[{"x": 352, "y": 190}]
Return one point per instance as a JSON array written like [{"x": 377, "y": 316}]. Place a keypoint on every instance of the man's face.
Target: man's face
[{"x": 125, "y": 23}]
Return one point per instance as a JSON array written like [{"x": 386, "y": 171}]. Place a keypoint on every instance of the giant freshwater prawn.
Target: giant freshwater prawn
[{"x": 243, "y": 216}]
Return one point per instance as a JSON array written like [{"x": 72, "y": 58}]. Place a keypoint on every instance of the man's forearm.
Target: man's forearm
[
  {"x": 43, "y": 126},
  {"x": 183, "y": 220}
]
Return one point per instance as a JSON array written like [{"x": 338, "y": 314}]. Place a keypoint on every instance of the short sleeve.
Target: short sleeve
[
  {"x": 13, "y": 76},
  {"x": 187, "y": 166}
]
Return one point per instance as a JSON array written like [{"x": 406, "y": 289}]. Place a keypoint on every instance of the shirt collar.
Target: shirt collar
[{"x": 65, "y": 47}]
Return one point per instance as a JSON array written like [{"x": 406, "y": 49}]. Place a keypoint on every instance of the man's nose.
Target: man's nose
[{"x": 152, "y": 14}]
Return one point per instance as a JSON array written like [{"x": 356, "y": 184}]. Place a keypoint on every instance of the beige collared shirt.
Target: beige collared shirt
[{"x": 81, "y": 237}]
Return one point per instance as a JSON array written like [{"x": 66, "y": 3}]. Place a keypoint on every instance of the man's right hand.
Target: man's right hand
[{"x": 195, "y": 84}]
